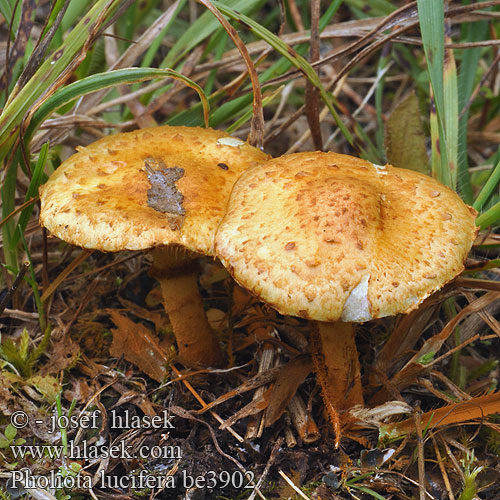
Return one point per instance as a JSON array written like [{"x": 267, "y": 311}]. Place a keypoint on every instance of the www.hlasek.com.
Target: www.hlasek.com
[
  {"x": 87, "y": 451},
  {"x": 60, "y": 479}
]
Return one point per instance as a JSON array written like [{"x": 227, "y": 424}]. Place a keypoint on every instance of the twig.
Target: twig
[
  {"x": 454, "y": 461},
  {"x": 303, "y": 422},
  {"x": 420, "y": 449},
  {"x": 67, "y": 271},
  {"x": 439, "y": 394},
  {"x": 255, "y": 426},
  {"x": 290, "y": 482},
  {"x": 312, "y": 93},
  {"x": 272, "y": 458},
  {"x": 20, "y": 315},
  {"x": 98, "y": 270},
  {"x": 290, "y": 439},
  {"x": 103, "y": 106},
  {"x": 442, "y": 468},
  {"x": 453, "y": 388},
  {"x": 198, "y": 398},
  {"x": 480, "y": 84},
  {"x": 14, "y": 287},
  {"x": 356, "y": 112},
  {"x": 256, "y": 381},
  {"x": 257, "y": 125},
  {"x": 198, "y": 372}
]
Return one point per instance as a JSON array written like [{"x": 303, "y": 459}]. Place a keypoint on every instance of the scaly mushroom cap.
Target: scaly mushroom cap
[
  {"x": 328, "y": 236},
  {"x": 98, "y": 198}
]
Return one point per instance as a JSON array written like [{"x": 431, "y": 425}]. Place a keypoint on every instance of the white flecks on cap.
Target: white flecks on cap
[
  {"x": 357, "y": 305},
  {"x": 381, "y": 169},
  {"x": 230, "y": 141}
]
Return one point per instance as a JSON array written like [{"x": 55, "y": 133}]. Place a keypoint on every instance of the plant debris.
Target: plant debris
[{"x": 163, "y": 195}]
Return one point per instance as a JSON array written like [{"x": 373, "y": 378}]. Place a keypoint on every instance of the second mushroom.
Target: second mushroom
[{"x": 337, "y": 240}]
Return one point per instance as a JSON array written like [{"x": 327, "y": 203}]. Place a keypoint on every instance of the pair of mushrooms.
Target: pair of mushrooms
[{"x": 322, "y": 236}]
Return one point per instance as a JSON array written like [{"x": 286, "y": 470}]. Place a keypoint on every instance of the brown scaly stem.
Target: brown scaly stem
[
  {"x": 336, "y": 363},
  {"x": 176, "y": 271}
]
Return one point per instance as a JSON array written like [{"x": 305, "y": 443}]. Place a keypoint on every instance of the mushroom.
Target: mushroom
[
  {"x": 164, "y": 188},
  {"x": 337, "y": 240}
]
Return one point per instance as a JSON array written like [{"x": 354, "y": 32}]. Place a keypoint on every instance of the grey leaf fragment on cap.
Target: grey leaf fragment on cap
[{"x": 163, "y": 194}]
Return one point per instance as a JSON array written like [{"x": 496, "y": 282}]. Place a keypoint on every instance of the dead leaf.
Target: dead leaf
[
  {"x": 92, "y": 369},
  {"x": 80, "y": 391},
  {"x": 290, "y": 377},
  {"x": 135, "y": 343},
  {"x": 64, "y": 355},
  {"x": 138, "y": 399},
  {"x": 48, "y": 386},
  {"x": 419, "y": 362},
  {"x": 464, "y": 411},
  {"x": 256, "y": 381},
  {"x": 217, "y": 319},
  {"x": 159, "y": 318},
  {"x": 255, "y": 406},
  {"x": 163, "y": 195},
  {"x": 404, "y": 137}
]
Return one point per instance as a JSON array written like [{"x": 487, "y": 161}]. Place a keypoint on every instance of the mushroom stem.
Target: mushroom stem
[
  {"x": 176, "y": 271},
  {"x": 337, "y": 365}
]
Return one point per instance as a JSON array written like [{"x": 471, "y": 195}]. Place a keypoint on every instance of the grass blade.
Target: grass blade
[
  {"x": 226, "y": 111},
  {"x": 202, "y": 28},
  {"x": 100, "y": 81},
  {"x": 5, "y": 9},
  {"x": 34, "y": 285},
  {"x": 379, "y": 92},
  {"x": 32, "y": 192},
  {"x": 248, "y": 114},
  {"x": 488, "y": 188},
  {"x": 54, "y": 69},
  {"x": 450, "y": 92},
  {"x": 256, "y": 137},
  {"x": 297, "y": 60},
  {"x": 431, "y": 16},
  {"x": 368, "y": 491},
  {"x": 57, "y": 7},
  {"x": 154, "y": 47},
  {"x": 44, "y": 41},
  {"x": 7, "y": 192},
  {"x": 470, "y": 59},
  {"x": 490, "y": 218}
]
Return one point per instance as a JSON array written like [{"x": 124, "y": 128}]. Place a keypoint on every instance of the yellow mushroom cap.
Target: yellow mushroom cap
[
  {"x": 98, "y": 198},
  {"x": 328, "y": 236}
]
